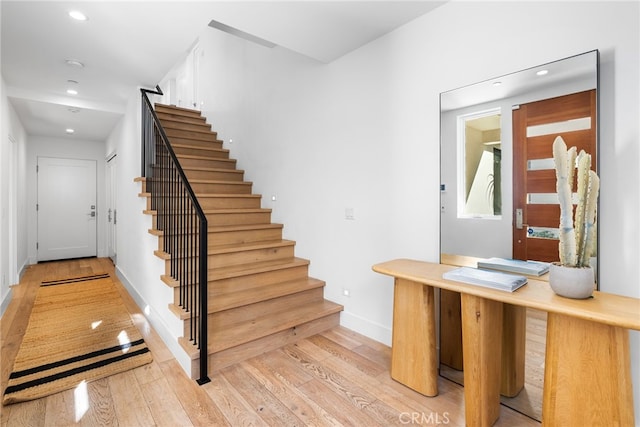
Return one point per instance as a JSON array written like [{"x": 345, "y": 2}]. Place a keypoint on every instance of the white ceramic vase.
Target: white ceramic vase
[{"x": 571, "y": 282}]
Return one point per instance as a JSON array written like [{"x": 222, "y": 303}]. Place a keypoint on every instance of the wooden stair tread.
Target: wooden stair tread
[
  {"x": 185, "y": 139},
  {"x": 253, "y": 268},
  {"x": 170, "y": 115},
  {"x": 197, "y": 147},
  {"x": 271, "y": 323},
  {"x": 196, "y": 157},
  {"x": 232, "y": 271},
  {"x": 218, "y": 195},
  {"x": 237, "y": 247},
  {"x": 185, "y": 110},
  {"x": 178, "y": 119},
  {"x": 220, "y": 211},
  {"x": 222, "y": 249},
  {"x": 242, "y": 297},
  {"x": 180, "y": 125},
  {"x": 203, "y": 167},
  {"x": 206, "y": 169},
  {"x": 228, "y": 228},
  {"x": 240, "y": 210},
  {"x": 217, "y": 181}
]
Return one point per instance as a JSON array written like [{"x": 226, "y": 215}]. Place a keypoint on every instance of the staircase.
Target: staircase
[{"x": 260, "y": 295}]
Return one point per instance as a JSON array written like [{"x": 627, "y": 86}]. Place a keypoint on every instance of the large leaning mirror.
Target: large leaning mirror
[{"x": 498, "y": 191}]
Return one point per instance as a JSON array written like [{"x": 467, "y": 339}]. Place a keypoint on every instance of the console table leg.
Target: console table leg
[
  {"x": 514, "y": 331},
  {"x": 413, "y": 347},
  {"x": 587, "y": 375},
  {"x": 482, "y": 346}
]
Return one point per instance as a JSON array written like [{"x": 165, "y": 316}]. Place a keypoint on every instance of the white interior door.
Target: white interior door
[
  {"x": 67, "y": 226},
  {"x": 112, "y": 210},
  {"x": 187, "y": 80}
]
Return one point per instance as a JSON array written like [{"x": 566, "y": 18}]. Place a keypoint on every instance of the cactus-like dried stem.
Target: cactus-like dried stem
[
  {"x": 590, "y": 219},
  {"x": 577, "y": 239},
  {"x": 567, "y": 247},
  {"x": 584, "y": 164}
]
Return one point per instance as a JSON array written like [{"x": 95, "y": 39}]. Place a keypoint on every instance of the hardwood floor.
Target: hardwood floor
[{"x": 335, "y": 378}]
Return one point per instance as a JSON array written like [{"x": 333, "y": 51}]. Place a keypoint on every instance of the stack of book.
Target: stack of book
[
  {"x": 489, "y": 279},
  {"x": 531, "y": 268}
]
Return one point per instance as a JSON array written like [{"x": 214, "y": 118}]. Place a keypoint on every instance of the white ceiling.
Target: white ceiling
[{"x": 125, "y": 45}]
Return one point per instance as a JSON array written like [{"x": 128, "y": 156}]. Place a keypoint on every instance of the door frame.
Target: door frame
[{"x": 111, "y": 184}]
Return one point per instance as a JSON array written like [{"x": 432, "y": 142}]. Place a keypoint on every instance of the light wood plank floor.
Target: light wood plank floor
[{"x": 335, "y": 378}]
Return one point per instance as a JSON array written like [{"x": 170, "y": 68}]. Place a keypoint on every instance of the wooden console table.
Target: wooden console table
[{"x": 587, "y": 378}]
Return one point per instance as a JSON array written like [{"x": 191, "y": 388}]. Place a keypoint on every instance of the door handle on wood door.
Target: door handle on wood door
[{"x": 519, "y": 224}]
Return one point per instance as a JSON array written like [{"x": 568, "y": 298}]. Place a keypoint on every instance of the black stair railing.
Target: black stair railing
[{"x": 182, "y": 221}]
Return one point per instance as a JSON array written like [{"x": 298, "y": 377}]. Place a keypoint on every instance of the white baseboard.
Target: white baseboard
[
  {"x": 22, "y": 270},
  {"x": 156, "y": 321},
  {"x": 5, "y": 301},
  {"x": 366, "y": 327}
]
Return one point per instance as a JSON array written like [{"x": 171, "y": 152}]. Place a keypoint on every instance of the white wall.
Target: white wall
[
  {"x": 137, "y": 266},
  {"x": 363, "y": 133},
  {"x": 13, "y": 224},
  {"x": 69, "y": 148}
]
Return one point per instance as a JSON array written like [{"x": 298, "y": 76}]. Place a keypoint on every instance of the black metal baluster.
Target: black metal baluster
[{"x": 182, "y": 221}]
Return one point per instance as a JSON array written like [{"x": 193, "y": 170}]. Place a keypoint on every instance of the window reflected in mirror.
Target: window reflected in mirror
[{"x": 481, "y": 162}]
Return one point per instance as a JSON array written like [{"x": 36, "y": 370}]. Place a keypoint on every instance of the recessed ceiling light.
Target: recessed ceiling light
[
  {"x": 74, "y": 63},
  {"x": 77, "y": 15},
  {"x": 72, "y": 92},
  {"x": 69, "y": 130},
  {"x": 497, "y": 83},
  {"x": 542, "y": 72}
]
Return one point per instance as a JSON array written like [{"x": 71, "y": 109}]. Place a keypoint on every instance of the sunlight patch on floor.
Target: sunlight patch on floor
[
  {"x": 81, "y": 397},
  {"x": 124, "y": 340}
]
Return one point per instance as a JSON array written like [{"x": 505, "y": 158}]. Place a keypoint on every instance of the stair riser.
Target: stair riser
[
  {"x": 195, "y": 127},
  {"x": 258, "y": 279},
  {"x": 237, "y": 237},
  {"x": 229, "y": 202},
  {"x": 215, "y": 175},
  {"x": 222, "y": 188},
  {"x": 198, "y": 143},
  {"x": 246, "y": 218},
  {"x": 246, "y": 257},
  {"x": 224, "y": 219},
  {"x": 194, "y": 151},
  {"x": 245, "y": 236},
  {"x": 251, "y": 281},
  {"x": 207, "y": 163},
  {"x": 218, "y": 260},
  {"x": 224, "y": 319},
  {"x": 185, "y": 119},
  {"x": 223, "y": 359},
  {"x": 201, "y": 136}
]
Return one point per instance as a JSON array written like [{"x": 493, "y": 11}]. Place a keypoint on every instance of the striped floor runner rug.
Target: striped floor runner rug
[{"x": 79, "y": 330}]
